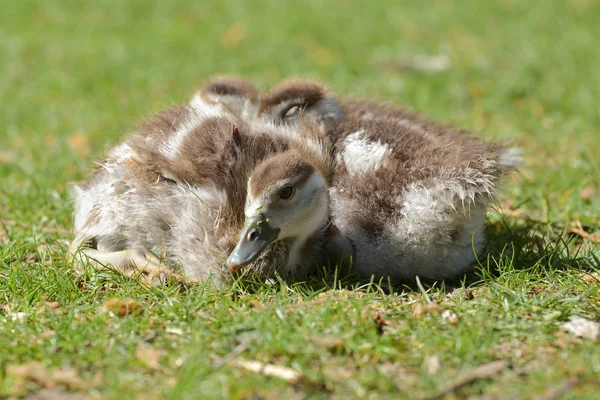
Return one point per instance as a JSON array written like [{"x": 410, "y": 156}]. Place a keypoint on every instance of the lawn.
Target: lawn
[{"x": 76, "y": 75}]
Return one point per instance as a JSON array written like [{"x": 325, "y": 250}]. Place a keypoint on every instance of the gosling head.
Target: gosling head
[
  {"x": 232, "y": 93},
  {"x": 287, "y": 199},
  {"x": 292, "y": 100}
]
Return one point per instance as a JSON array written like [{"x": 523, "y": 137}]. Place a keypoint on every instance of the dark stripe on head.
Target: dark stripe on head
[
  {"x": 306, "y": 92},
  {"x": 230, "y": 86},
  {"x": 282, "y": 166}
]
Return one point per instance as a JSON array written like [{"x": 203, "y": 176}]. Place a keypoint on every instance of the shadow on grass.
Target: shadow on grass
[
  {"x": 513, "y": 245},
  {"x": 536, "y": 246}
]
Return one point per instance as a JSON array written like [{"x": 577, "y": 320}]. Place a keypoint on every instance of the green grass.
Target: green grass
[{"x": 77, "y": 75}]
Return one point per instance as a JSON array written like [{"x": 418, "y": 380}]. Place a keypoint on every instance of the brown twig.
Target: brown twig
[
  {"x": 586, "y": 235},
  {"x": 481, "y": 372},
  {"x": 239, "y": 349},
  {"x": 558, "y": 391}
]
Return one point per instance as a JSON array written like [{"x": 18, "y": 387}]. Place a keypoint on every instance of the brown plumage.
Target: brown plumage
[
  {"x": 209, "y": 181},
  {"x": 304, "y": 93},
  {"x": 293, "y": 165},
  {"x": 230, "y": 86},
  {"x": 410, "y": 194},
  {"x": 286, "y": 102},
  {"x": 174, "y": 194},
  {"x": 228, "y": 93}
]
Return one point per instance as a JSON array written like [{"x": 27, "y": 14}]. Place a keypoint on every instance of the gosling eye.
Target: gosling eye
[
  {"x": 286, "y": 192},
  {"x": 168, "y": 180},
  {"x": 291, "y": 112}
]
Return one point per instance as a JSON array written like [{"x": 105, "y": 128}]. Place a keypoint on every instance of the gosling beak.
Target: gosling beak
[{"x": 256, "y": 235}]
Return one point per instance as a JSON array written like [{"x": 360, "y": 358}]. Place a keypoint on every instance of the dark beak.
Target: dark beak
[{"x": 256, "y": 235}]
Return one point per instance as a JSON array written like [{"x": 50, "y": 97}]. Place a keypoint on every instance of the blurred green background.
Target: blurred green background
[{"x": 76, "y": 75}]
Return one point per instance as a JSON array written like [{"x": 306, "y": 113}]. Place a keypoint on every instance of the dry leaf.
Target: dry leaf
[
  {"x": 287, "y": 374},
  {"x": 583, "y": 328},
  {"x": 234, "y": 35},
  {"x": 47, "y": 334},
  {"x": 256, "y": 304},
  {"x": 68, "y": 377},
  {"x": 433, "y": 364},
  {"x": 421, "y": 309},
  {"x": 594, "y": 237},
  {"x": 52, "y": 304},
  {"x": 122, "y": 307},
  {"x": 149, "y": 356},
  {"x": 593, "y": 277},
  {"x": 35, "y": 372},
  {"x": 587, "y": 193},
  {"x": 450, "y": 316},
  {"x": 563, "y": 340},
  {"x": 338, "y": 370},
  {"x": 380, "y": 323},
  {"x": 79, "y": 144},
  {"x": 3, "y": 236}
]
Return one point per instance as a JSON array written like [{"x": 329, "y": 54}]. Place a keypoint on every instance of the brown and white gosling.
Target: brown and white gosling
[
  {"x": 227, "y": 94},
  {"x": 197, "y": 188},
  {"x": 410, "y": 194},
  {"x": 289, "y": 99}
]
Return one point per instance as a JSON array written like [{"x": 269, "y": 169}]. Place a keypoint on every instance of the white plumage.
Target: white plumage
[{"x": 411, "y": 195}]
